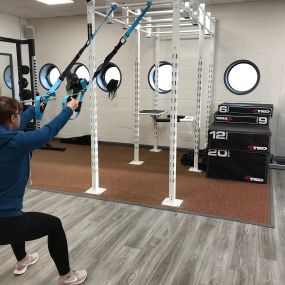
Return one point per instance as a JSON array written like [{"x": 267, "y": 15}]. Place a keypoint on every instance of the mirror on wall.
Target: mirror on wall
[
  {"x": 6, "y": 75},
  {"x": 242, "y": 77}
]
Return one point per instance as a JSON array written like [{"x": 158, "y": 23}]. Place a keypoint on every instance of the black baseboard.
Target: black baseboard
[{"x": 86, "y": 140}]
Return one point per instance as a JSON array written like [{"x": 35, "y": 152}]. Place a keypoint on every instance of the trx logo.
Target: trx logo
[
  {"x": 253, "y": 179},
  {"x": 254, "y": 147},
  {"x": 224, "y": 118},
  {"x": 260, "y": 111}
]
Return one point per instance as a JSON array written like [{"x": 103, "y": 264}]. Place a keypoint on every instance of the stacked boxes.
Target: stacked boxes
[{"x": 239, "y": 142}]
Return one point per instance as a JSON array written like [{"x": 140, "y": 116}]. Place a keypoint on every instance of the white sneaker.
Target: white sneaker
[
  {"x": 75, "y": 278},
  {"x": 21, "y": 266}
]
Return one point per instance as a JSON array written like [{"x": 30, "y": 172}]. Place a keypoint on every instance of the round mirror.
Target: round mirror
[
  {"x": 81, "y": 70},
  {"x": 8, "y": 77},
  {"x": 111, "y": 71},
  {"x": 54, "y": 75},
  {"x": 49, "y": 74},
  {"x": 164, "y": 77},
  {"x": 241, "y": 77}
]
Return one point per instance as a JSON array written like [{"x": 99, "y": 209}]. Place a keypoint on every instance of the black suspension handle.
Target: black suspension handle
[{"x": 108, "y": 58}]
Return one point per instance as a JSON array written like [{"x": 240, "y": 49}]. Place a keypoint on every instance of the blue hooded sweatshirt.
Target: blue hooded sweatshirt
[{"x": 15, "y": 149}]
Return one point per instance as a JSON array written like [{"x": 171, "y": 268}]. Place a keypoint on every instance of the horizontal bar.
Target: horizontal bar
[
  {"x": 165, "y": 26},
  {"x": 162, "y": 12},
  {"x": 182, "y": 32},
  {"x": 9, "y": 40},
  {"x": 31, "y": 100},
  {"x": 167, "y": 37},
  {"x": 276, "y": 166},
  {"x": 166, "y": 20},
  {"x": 140, "y": 4},
  {"x": 125, "y": 17},
  {"x": 103, "y": 15}
]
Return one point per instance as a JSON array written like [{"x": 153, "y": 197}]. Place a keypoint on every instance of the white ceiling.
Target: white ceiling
[{"x": 34, "y": 9}]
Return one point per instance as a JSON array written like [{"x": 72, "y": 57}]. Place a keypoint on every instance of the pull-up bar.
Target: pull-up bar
[
  {"x": 165, "y": 20},
  {"x": 166, "y": 26},
  {"x": 161, "y": 12},
  {"x": 138, "y": 5},
  {"x": 182, "y": 32},
  {"x": 116, "y": 20}
]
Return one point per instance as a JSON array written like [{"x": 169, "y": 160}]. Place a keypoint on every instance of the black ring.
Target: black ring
[
  {"x": 228, "y": 70},
  {"x": 78, "y": 65},
  {"x": 102, "y": 74},
  {"x": 49, "y": 67}
]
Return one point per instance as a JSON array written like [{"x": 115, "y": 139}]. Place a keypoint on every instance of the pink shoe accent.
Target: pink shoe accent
[
  {"x": 75, "y": 278},
  {"x": 21, "y": 266}
]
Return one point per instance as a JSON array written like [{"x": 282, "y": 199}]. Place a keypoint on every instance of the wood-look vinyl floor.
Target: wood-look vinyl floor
[{"x": 121, "y": 244}]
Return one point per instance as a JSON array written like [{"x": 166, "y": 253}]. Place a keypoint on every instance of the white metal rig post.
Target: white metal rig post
[
  {"x": 126, "y": 19},
  {"x": 195, "y": 168},
  {"x": 210, "y": 75},
  {"x": 136, "y": 160},
  {"x": 156, "y": 94},
  {"x": 93, "y": 105},
  {"x": 171, "y": 200}
]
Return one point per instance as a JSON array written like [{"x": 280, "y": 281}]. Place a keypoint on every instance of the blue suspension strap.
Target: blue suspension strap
[
  {"x": 41, "y": 101},
  {"x": 107, "y": 60},
  {"x": 122, "y": 41}
]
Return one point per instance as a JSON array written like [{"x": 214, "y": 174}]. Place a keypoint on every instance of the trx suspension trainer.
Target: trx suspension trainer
[
  {"x": 41, "y": 101},
  {"x": 85, "y": 84}
]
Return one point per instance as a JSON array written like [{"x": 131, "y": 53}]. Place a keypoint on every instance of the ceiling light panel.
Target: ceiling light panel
[{"x": 56, "y": 2}]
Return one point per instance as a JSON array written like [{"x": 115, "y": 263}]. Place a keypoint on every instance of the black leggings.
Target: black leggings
[{"x": 31, "y": 226}]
